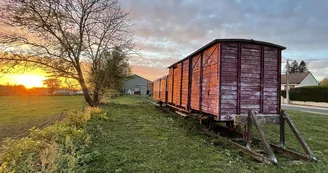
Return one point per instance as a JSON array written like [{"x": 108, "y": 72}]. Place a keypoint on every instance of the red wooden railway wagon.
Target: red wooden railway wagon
[
  {"x": 228, "y": 77},
  {"x": 160, "y": 89},
  {"x": 236, "y": 81}
]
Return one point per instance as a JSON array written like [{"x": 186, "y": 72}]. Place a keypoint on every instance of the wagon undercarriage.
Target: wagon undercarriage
[
  {"x": 257, "y": 147},
  {"x": 246, "y": 138}
]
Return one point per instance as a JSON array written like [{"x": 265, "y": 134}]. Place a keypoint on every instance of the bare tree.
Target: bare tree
[
  {"x": 65, "y": 37},
  {"x": 52, "y": 84}
]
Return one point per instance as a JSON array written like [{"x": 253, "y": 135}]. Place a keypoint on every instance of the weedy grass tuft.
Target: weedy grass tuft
[{"x": 62, "y": 147}]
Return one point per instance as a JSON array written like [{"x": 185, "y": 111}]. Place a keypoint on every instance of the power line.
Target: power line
[{"x": 309, "y": 60}]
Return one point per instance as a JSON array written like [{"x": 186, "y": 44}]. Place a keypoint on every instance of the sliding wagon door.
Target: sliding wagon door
[
  {"x": 185, "y": 83},
  {"x": 195, "y": 82},
  {"x": 209, "y": 82},
  {"x": 170, "y": 86},
  {"x": 177, "y": 84}
]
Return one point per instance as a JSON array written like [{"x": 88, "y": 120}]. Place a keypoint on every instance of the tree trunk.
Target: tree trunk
[
  {"x": 84, "y": 87},
  {"x": 96, "y": 96},
  {"x": 86, "y": 93}
]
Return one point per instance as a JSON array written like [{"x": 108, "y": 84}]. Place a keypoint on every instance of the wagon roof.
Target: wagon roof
[
  {"x": 161, "y": 77},
  {"x": 229, "y": 40}
]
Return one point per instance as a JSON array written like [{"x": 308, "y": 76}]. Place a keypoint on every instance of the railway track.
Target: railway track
[{"x": 258, "y": 148}]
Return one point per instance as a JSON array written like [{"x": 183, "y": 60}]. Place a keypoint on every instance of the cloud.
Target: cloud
[
  {"x": 172, "y": 29},
  {"x": 150, "y": 73}
]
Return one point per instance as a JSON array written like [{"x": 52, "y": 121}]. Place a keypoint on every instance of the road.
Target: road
[{"x": 310, "y": 109}]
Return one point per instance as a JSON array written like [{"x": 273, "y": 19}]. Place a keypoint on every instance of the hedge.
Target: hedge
[{"x": 310, "y": 93}]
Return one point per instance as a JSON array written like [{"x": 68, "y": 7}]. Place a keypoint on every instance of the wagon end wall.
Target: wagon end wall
[{"x": 249, "y": 79}]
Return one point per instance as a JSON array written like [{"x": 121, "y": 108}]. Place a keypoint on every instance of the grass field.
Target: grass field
[
  {"x": 139, "y": 137},
  {"x": 20, "y": 113}
]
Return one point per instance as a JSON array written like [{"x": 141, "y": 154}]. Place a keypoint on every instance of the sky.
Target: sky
[{"x": 169, "y": 30}]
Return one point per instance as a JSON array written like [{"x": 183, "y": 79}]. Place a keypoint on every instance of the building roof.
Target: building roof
[
  {"x": 229, "y": 40},
  {"x": 135, "y": 75},
  {"x": 294, "y": 78}
]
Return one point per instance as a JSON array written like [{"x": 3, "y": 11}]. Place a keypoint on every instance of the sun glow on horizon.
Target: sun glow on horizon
[{"x": 29, "y": 81}]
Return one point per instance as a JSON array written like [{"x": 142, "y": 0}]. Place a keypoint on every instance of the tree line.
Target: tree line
[{"x": 294, "y": 67}]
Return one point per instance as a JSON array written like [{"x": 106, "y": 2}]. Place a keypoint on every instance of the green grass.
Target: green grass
[
  {"x": 20, "y": 113},
  {"x": 138, "y": 137}
]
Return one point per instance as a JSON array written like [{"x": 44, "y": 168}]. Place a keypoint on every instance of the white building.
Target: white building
[
  {"x": 136, "y": 84},
  {"x": 299, "y": 80}
]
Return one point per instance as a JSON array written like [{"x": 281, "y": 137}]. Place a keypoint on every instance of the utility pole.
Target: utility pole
[{"x": 287, "y": 82}]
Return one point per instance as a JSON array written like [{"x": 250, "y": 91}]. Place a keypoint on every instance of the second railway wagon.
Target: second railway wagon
[
  {"x": 225, "y": 78},
  {"x": 160, "y": 89}
]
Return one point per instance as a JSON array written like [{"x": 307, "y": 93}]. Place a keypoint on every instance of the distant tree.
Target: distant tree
[
  {"x": 70, "y": 84},
  {"x": 64, "y": 37},
  {"x": 302, "y": 68},
  {"x": 52, "y": 84},
  {"x": 110, "y": 74},
  {"x": 324, "y": 82},
  {"x": 293, "y": 68}
]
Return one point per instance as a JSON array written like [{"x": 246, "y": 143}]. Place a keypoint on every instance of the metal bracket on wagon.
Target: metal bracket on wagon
[{"x": 256, "y": 120}]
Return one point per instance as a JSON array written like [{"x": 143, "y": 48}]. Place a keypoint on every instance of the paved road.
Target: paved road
[{"x": 306, "y": 108}]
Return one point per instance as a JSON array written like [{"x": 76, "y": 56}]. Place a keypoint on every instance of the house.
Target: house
[
  {"x": 63, "y": 91},
  {"x": 299, "y": 80},
  {"x": 136, "y": 84},
  {"x": 79, "y": 92}
]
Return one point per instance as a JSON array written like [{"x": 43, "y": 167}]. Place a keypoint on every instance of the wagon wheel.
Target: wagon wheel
[
  {"x": 207, "y": 122},
  {"x": 231, "y": 126}
]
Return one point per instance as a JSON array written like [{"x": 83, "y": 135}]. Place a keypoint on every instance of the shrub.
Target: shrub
[
  {"x": 310, "y": 93},
  {"x": 62, "y": 147},
  {"x": 109, "y": 94}
]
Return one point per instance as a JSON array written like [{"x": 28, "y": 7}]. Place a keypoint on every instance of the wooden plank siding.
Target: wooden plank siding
[
  {"x": 249, "y": 79},
  {"x": 229, "y": 78},
  {"x": 177, "y": 85},
  {"x": 209, "y": 83},
  {"x": 170, "y": 86},
  {"x": 185, "y": 84},
  {"x": 162, "y": 89},
  {"x": 271, "y": 84},
  {"x": 195, "y": 82},
  {"x": 156, "y": 92}
]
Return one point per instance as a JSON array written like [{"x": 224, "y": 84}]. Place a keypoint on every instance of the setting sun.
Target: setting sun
[{"x": 29, "y": 81}]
